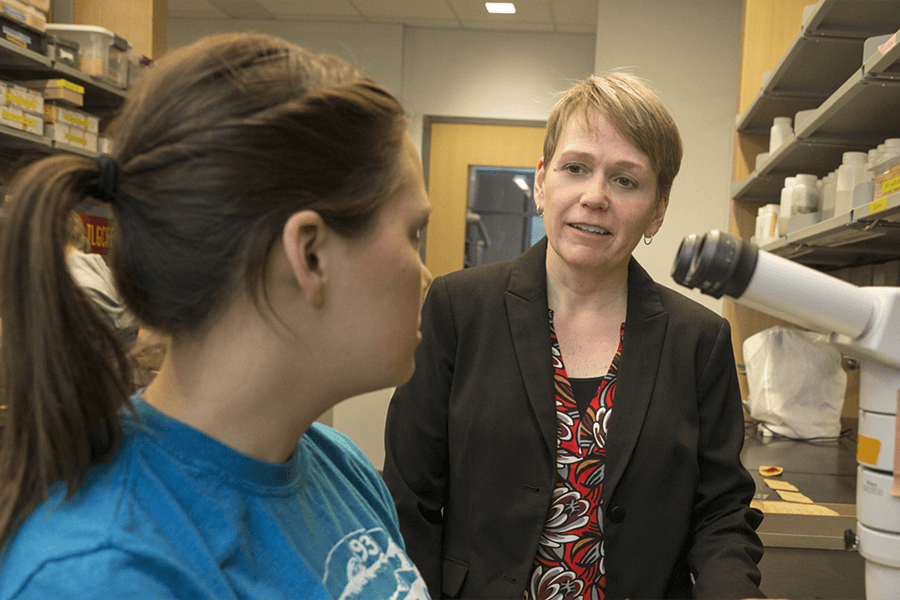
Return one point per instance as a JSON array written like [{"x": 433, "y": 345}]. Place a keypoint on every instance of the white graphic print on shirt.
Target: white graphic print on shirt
[{"x": 368, "y": 564}]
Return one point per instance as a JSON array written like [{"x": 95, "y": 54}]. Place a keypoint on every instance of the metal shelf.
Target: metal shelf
[
  {"x": 859, "y": 115},
  {"x": 867, "y": 234},
  {"x": 17, "y": 63},
  {"x": 826, "y": 51}
]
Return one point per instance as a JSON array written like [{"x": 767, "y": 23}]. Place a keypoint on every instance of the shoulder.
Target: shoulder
[
  {"x": 335, "y": 454},
  {"x": 341, "y": 468},
  {"x": 680, "y": 307},
  {"x": 104, "y": 572},
  {"x": 525, "y": 277},
  {"x": 63, "y": 528}
]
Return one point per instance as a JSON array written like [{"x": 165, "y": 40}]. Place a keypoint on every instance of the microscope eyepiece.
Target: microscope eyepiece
[{"x": 716, "y": 263}]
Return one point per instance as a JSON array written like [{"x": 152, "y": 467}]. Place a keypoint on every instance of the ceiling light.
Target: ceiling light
[{"x": 500, "y": 8}]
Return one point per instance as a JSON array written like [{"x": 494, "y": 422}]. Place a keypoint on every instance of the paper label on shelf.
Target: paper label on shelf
[
  {"x": 867, "y": 450},
  {"x": 63, "y": 83},
  {"x": 878, "y": 206},
  {"x": 890, "y": 185},
  {"x": 892, "y": 41}
]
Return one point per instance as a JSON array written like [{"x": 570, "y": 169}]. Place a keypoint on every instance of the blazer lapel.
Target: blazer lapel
[
  {"x": 645, "y": 330},
  {"x": 528, "y": 315}
]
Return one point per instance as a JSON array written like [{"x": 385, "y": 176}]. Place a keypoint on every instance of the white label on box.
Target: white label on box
[
  {"x": 9, "y": 32},
  {"x": 18, "y": 16}
]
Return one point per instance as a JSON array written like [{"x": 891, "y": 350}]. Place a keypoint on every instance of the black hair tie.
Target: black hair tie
[{"x": 105, "y": 186}]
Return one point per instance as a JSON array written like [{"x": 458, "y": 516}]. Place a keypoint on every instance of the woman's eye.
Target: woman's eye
[
  {"x": 574, "y": 169},
  {"x": 625, "y": 182}
]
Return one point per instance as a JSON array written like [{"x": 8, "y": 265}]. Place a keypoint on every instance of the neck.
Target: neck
[
  {"x": 234, "y": 384},
  {"x": 571, "y": 288}
]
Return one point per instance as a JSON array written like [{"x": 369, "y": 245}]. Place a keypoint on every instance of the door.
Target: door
[{"x": 451, "y": 148}]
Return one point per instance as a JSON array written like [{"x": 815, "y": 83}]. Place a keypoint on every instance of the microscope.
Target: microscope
[{"x": 863, "y": 322}]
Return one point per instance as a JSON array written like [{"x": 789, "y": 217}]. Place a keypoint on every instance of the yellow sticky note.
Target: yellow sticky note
[
  {"x": 790, "y": 508},
  {"x": 776, "y": 484},
  {"x": 794, "y": 497}
]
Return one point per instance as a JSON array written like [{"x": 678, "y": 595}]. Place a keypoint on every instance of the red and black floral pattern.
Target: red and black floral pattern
[{"x": 570, "y": 559}]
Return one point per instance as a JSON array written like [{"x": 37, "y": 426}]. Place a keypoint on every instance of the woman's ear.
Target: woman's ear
[
  {"x": 539, "y": 187},
  {"x": 658, "y": 215},
  {"x": 303, "y": 237}
]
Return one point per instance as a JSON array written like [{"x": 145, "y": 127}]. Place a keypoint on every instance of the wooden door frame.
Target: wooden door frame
[{"x": 429, "y": 120}]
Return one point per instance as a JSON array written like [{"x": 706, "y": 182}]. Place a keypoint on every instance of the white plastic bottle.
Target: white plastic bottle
[
  {"x": 780, "y": 132},
  {"x": 784, "y": 211},
  {"x": 851, "y": 172},
  {"x": 804, "y": 195},
  {"x": 891, "y": 149}
]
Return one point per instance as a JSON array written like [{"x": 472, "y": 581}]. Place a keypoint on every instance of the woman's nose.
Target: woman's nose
[{"x": 597, "y": 197}]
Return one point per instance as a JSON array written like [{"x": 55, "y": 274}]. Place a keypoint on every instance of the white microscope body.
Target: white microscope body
[{"x": 864, "y": 322}]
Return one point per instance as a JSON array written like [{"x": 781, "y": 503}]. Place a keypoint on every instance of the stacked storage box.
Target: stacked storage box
[
  {"x": 71, "y": 127},
  {"x": 21, "y": 108},
  {"x": 23, "y": 22}
]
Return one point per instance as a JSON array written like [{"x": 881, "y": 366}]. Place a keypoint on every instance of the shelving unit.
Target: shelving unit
[
  {"x": 17, "y": 63},
  {"x": 854, "y": 104}
]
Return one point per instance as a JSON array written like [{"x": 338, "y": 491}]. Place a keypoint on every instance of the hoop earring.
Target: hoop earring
[
  {"x": 648, "y": 240},
  {"x": 540, "y": 212}
]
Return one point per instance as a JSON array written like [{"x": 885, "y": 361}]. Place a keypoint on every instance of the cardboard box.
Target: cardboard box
[
  {"x": 20, "y": 34},
  {"x": 72, "y": 117},
  {"x": 41, "y": 5},
  {"x": 61, "y": 90},
  {"x": 24, "y": 13},
  {"x": 66, "y": 135},
  {"x": 18, "y": 119},
  {"x": 17, "y": 96}
]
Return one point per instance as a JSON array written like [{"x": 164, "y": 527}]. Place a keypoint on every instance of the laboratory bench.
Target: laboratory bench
[{"x": 805, "y": 556}]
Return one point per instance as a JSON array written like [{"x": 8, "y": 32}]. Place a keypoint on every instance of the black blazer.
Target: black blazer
[{"x": 471, "y": 443}]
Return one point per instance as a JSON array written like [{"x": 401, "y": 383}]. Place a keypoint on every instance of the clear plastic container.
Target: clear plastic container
[{"x": 101, "y": 53}]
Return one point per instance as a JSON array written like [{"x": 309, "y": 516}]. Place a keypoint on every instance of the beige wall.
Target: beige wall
[{"x": 688, "y": 50}]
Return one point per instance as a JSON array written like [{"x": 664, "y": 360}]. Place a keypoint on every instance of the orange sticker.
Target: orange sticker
[{"x": 867, "y": 450}]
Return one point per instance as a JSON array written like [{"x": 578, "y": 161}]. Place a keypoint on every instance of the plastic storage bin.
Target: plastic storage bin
[
  {"x": 62, "y": 50},
  {"x": 102, "y": 53}
]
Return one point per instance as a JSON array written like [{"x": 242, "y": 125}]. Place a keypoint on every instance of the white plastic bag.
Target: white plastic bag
[{"x": 796, "y": 382}]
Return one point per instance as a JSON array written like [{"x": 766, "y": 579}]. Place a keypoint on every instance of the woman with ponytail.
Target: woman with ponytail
[{"x": 267, "y": 203}]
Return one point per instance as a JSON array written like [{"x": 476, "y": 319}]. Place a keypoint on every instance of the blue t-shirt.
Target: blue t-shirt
[{"x": 177, "y": 514}]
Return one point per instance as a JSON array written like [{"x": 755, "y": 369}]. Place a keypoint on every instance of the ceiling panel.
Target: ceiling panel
[
  {"x": 316, "y": 9},
  {"x": 568, "y": 16},
  {"x": 243, "y": 9},
  {"x": 406, "y": 9},
  {"x": 195, "y": 9},
  {"x": 526, "y": 11},
  {"x": 510, "y": 25},
  {"x": 575, "y": 12}
]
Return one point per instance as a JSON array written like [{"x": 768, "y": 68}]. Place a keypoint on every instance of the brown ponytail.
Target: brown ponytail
[{"x": 65, "y": 374}]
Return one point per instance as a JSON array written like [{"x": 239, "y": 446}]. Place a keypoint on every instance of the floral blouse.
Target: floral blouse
[{"x": 570, "y": 557}]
